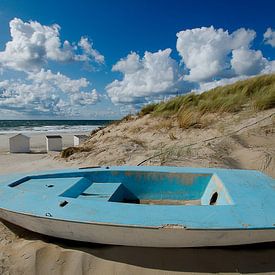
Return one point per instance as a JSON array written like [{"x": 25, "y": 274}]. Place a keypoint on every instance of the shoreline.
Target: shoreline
[{"x": 30, "y": 127}]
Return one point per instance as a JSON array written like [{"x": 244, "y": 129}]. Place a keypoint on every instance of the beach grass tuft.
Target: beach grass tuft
[
  {"x": 147, "y": 109},
  {"x": 72, "y": 150},
  {"x": 256, "y": 93}
]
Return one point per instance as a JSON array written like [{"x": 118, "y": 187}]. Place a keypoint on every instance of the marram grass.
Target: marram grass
[{"x": 257, "y": 93}]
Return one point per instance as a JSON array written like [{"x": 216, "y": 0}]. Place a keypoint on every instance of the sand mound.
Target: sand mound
[{"x": 244, "y": 140}]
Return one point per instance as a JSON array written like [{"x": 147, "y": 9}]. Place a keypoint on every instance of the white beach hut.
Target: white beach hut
[
  {"x": 78, "y": 139},
  {"x": 19, "y": 144},
  {"x": 54, "y": 143}
]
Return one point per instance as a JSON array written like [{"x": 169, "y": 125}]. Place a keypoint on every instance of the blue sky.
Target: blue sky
[{"x": 129, "y": 53}]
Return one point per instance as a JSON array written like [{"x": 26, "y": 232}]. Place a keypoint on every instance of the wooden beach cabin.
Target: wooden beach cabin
[
  {"x": 78, "y": 139},
  {"x": 54, "y": 143},
  {"x": 19, "y": 144}
]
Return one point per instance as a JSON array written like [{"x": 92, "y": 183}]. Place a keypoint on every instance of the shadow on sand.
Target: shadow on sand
[
  {"x": 37, "y": 152},
  {"x": 32, "y": 152},
  {"x": 242, "y": 259}
]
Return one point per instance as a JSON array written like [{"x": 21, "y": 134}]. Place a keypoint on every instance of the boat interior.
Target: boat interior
[{"x": 136, "y": 187}]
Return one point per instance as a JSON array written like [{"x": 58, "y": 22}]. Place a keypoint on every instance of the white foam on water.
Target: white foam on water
[{"x": 49, "y": 129}]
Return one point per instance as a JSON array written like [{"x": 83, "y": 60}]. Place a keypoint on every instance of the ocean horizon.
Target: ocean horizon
[{"x": 46, "y": 126}]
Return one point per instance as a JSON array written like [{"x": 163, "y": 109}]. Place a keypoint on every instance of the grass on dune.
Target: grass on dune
[
  {"x": 71, "y": 150},
  {"x": 257, "y": 93},
  {"x": 147, "y": 109}
]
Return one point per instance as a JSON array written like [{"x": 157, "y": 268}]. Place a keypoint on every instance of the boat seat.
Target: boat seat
[
  {"x": 78, "y": 186},
  {"x": 110, "y": 191}
]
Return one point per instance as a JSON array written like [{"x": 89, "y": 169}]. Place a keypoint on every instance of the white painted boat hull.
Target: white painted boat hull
[{"x": 137, "y": 236}]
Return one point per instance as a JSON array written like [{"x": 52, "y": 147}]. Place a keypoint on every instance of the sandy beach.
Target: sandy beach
[
  {"x": 38, "y": 159},
  {"x": 24, "y": 252}
]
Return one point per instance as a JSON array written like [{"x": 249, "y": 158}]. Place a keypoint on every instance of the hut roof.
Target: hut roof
[{"x": 19, "y": 135}]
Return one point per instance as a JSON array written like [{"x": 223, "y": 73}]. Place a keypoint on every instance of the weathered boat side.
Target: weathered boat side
[{"x": 167, "y": 236}]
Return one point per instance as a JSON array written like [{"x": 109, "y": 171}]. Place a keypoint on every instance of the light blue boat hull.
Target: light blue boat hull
[{"x": 144, "y": 206}]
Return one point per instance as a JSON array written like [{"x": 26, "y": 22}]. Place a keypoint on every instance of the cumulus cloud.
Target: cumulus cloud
[
  {"x": 152, "y": 75},
  {"x": 85, "y": 98},
  {"x": 270, "y": 67},
  {"x": 89, "y": 52},
  {"x": 247, "y": 62},
  {"x": 32, "y": 45},
  {"x": 269, "y": 37},
  {"x": 206, "y": 53},
  {"x": 46, "y": 92},
  {"x": 129, "y": 65},
  {"x": 58, "y": 80},
  {"x": 27, "y": 96},
  {"x": 215, "y": 83},
  {"x": 36, "y": 89}
]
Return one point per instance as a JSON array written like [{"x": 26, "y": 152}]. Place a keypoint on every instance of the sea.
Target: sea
[{"x": 47, "y": 126}]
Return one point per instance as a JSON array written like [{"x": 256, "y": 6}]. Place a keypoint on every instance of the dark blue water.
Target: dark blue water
[{"x": 8, "y": 126}]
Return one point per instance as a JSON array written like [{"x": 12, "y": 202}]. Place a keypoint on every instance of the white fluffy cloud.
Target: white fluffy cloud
[
  {"x": 85, "y": 98},
  {"x": 222, "y": 82},
  {"x": 33, "y": 44},
  {"x": 153, "y": 75},
  {"x": 247, "y": 62},
  {"x": 39, "y": 90},
  {"x": 206, "y": 53},
  {"x": 46, "y": 92},
  {"x": 129, "y": 65},
  {"x": 269, "y": 37},
  {"x": 270, "y": 67},
  {"x": 60, "y": 81},
  {"x": 90, "y": 53}
]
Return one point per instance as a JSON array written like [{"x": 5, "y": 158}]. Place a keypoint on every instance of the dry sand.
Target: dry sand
[
  {"x": 37, "y": 160},
  {"x": 130, "y": 142}
]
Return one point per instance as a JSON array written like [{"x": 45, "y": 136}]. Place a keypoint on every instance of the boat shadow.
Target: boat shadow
[{"x": 241, "y": 259}]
